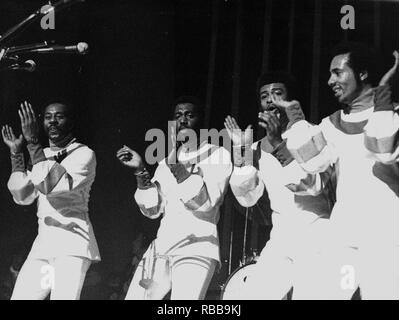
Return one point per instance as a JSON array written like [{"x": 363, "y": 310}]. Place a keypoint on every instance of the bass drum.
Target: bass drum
[{"x": 233, "y": 289}]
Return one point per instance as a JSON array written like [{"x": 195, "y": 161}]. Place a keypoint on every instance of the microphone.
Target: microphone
[
  {"x": 28, "y": 65},
  {"x": 80, "y": 48}
]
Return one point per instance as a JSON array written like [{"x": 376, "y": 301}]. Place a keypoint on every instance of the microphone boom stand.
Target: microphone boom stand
[{"x": 61, "y": 4}]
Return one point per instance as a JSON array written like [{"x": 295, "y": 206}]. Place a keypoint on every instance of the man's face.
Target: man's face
[
  {"x": 57, "y": 122},
  {"x": 342, "y": 79},
  {"x": 186, "y": 117},
  {"x": 277, "y": 90}
]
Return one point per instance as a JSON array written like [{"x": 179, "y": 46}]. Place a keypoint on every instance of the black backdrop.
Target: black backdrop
[
  {"x": 121, "y": 88},
  {"x": 145, "y": 53}
]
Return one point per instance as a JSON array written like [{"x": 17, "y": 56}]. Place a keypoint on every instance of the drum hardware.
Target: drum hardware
[
  {"x": 233, "y": 285},
  {"x": 244, "y": 256},
  {"x": 232, "y": 289},
  {"x": 253, "y": 257}
]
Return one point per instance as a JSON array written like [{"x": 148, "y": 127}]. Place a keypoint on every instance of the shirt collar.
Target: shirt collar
[
  {"x": 54, "y": 147},
  {"x": 362, "y": 102}
]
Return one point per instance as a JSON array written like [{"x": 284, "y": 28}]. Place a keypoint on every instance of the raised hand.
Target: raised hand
[
  {"x": 283, "y": 104},
  {"x": 29, "y": 125},
  {"x": 130, "y": 158},
  {"x": 15, "y": 144},
  {"x": 237, "y": 136},
  {"x": 292, "y": 111},
  {"x": 388, "y": 77},
  {"x": 270, "y": 121}
]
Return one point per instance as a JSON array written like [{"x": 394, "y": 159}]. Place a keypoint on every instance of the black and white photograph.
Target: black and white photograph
[{"x": 212, "y": 150}]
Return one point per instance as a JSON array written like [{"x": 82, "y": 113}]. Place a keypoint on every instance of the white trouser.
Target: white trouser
[
  {"x": 187, "y": 277},
  {"x": 379, "y": 272},
  {"x": 337, "y": 272},
  {"x": 332, "y": 274},
  {"x": 62, "y": 277},
  {"x": 301, "y": 256},
  {"x": 272, "y": 275}
]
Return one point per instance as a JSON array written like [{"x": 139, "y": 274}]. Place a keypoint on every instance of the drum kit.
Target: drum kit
[
  {"x": 235, "y": 283},
  {"x": 233, "y": 288}
]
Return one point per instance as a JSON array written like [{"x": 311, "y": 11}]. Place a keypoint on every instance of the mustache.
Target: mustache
[
  {"x": 54, "y": 128},
  {"x": 183, "y": 126}
]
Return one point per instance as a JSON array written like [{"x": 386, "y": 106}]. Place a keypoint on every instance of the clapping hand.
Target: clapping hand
[
  {"x": 15, "y": 144},
  {"x": 388, "y": 77},
  {"x": 29, "y": 125},
  {"x": 271, "y": 123},
  {"x": 237, "y": 136}
]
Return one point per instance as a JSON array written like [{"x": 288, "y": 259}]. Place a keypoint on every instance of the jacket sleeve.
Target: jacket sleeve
[
  {"x": 310, "y": 148},
  {"x": 149, "y": 196},
  {"x": 50, "y": 177},
  {"x": 206, "y": 186},
  {"x": 245, "y": 181},
  {"x": 246, "y": 185},
  {"x": 294, "y": 177},
  {"x": 20, "y": 184},
  {"x": 381, "y": 131}
]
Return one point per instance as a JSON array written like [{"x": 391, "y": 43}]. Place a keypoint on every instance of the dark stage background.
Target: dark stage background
[{"x": 145, "y": 53}]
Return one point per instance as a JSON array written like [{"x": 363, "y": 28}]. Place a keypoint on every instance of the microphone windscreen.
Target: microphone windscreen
[{"x": 82, "y": 47}]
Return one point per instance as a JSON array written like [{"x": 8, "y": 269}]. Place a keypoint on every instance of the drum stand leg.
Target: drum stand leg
[{"x": 244, "y": 254}]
